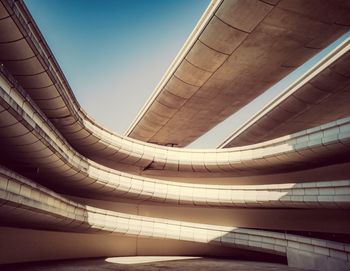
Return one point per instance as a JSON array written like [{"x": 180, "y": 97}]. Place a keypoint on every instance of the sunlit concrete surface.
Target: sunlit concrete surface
[
  {"x": 333, "y": 194},
  {"x": 38, "y": 70},
  {"x": 321, "y": 145},
  {"x": 69, "y": 188},
  {"x": 147, "y": 259},
  {"x": 151, "y": 264},
  {"x": 204, "y": 102},
  {"x": 321, "y": 95},
  {"x": 248, "y": 46},
  {"x": 92, "y": 178},
  {"x": 24, "y": 202},
  {"x": 22, "y": 196}
]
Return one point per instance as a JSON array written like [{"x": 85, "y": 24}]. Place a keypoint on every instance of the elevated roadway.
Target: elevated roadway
[
  {"x": 82, "y": 132},
  {"x": 287, "y": 197},
  {"x": 239, "y": 50},
  {"x": 197, "y": 92},
  {"x": 32, "y": 145},
  {"x": 321, "y": 95}
]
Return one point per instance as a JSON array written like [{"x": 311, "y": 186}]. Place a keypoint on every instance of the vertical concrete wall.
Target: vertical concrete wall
[
  {"x": 310, "y": 220},
  {"x": 25, "y": 245}
]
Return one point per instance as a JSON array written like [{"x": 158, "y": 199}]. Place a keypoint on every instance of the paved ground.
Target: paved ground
[{"x": 149, "y": 264}]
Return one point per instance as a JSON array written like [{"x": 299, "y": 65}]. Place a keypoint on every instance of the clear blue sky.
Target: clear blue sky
[{"x": 114, "y": 52}]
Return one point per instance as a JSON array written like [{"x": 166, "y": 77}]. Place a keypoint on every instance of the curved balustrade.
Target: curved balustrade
[
  {"x": 28, "y": 137},
  {"x": 46, "y": 136},
  {"x": 23, "y": 201},
  {"x": 48, "y": 87},
  {"x": 301, "y": 150}
]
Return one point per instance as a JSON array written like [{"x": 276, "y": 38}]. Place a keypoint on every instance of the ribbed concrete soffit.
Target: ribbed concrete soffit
[
  {"x": 32, "y": 64},
  {"x": 237, "y": 51},
  {"x": 307, "y": 148},
  {"x": 31, "y": 144},
  {"x": 69, "y": 160},
  {"x": 321, "y": 95}
]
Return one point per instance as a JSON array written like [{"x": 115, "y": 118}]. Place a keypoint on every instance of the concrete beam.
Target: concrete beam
[{"x": 320, "y": 95}]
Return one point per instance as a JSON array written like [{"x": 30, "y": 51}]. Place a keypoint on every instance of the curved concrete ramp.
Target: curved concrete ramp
[
  {"x": 197, "y": 92},
  {"x": 25, "y": 202},
  {"x": 306, "y": 149},
  {"x": 34, "y": 143},
  {"x": 286, "y": 199}
]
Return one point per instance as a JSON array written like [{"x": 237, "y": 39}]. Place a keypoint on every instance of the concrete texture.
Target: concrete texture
[
  {"x": 37, "y": 74},
  {"x": 326, "y": 144},
  {"x": 62, "y": 161},
  {"x": 281, "y": 200},
  {"x": 321, "y": 95},
  {"x": 26, "y": 203},
  {"x": 59, "y": 106},
  {"x": 28, "y": 245},
  {"x": 245, "y": 48},
  {"x": 151, "y": 264},
  {"x": 325, "y": 195},
  {"x": 302, "y": 259},
  {"x": 23, "y": 245}
]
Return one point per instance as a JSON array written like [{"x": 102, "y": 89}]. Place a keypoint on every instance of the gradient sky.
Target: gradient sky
[{"x": 115, "y": 52}]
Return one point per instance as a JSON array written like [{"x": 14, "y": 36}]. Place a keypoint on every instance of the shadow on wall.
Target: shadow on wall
[{"x": 29, "y": 205}]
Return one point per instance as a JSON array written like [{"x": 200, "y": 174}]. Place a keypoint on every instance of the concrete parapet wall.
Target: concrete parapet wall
[
  {"x": 53, "y": 156},
  {"x": 305, "y": 149},
  {"x": 41, "y": 208},
  {"x": 24, "y": 245}
]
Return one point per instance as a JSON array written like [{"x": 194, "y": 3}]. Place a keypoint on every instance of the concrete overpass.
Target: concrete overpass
[
  {"x": 231, "y": 60},
  {"x": 65, "y": 178},
  {"x": 39, "y": 74},
  {"x": 248, "y": 46},
  {"x": 321, "y": 95}
]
